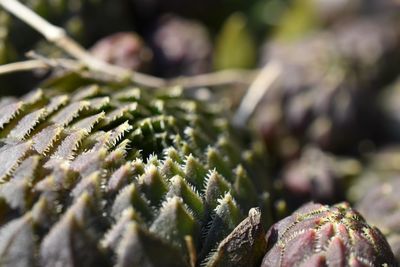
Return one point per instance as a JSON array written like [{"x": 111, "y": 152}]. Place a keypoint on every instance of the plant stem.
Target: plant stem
[
  {"x": 265, "y": 80},
  {"x": 27, "y": 65}
]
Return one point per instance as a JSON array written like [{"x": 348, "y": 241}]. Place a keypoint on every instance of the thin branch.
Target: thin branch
[
  {"x": 263, "y": 82},
  {"x": 22, "y": 66},
  {"x": 64, "y": 63},
  {"x": 50, "y": 32},
  {"x": 38, "y": 62},
  {"x": 73, "y": 65},
  {"x": 225, "y": 77},
  {"x": 216, "y": 78}
]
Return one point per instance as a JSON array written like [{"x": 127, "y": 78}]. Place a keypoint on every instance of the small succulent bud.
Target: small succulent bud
[{"x": 317, "y": 235}]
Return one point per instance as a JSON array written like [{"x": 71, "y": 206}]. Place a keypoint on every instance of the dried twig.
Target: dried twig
[
  {"x": 220, "y": 78},
  {"x": 27, "y": 65},
  {"x": 216, "y": 78},
  {"x": 263, "y": 82}
]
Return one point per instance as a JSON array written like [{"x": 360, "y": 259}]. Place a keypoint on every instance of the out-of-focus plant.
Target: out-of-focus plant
[{"x": 235, "y": 46}]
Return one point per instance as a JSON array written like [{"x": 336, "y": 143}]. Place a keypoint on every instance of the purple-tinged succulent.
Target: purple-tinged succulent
[{"x": 318, "y": 235}]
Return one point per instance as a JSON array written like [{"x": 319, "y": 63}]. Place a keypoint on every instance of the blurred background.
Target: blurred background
[
  {"x": 170, "y": 38},
  {"x": 339, "y": 87}
]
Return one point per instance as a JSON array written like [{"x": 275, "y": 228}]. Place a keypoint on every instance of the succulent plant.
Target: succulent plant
[
  {"x": 98, "y": 175},
  {"x": 331, "y": 82},
  {"x": 318, "y": 235}
]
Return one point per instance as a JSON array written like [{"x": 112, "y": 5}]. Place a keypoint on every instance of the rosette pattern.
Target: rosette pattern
[
  {"x": 317, "y": 235},
  {"x": 103, "y": 175}
]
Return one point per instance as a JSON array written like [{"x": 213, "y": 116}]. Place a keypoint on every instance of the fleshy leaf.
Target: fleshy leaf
[
  {"x": 191, "y": 198},
  {"x": 226, "y": 216},
  {"x": 9, "y": 112},
  {"x": 11, "y": 155},
  {"x": 195, "y": 172},
  {"x": 131, "y": 197},
  {"x": 67, "y": 114},
  {"x": 68, "y": 244},
  {"x": 244, "y": 246},
  {"x": 174, "y": 222},
  {"x": 27, "y": 124},
  {"x": 216, "y": 186},
  {"x": 153, "y": 184},
  {"x": 17, "y": 243},
  {"x": 139, "y": 247}
]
